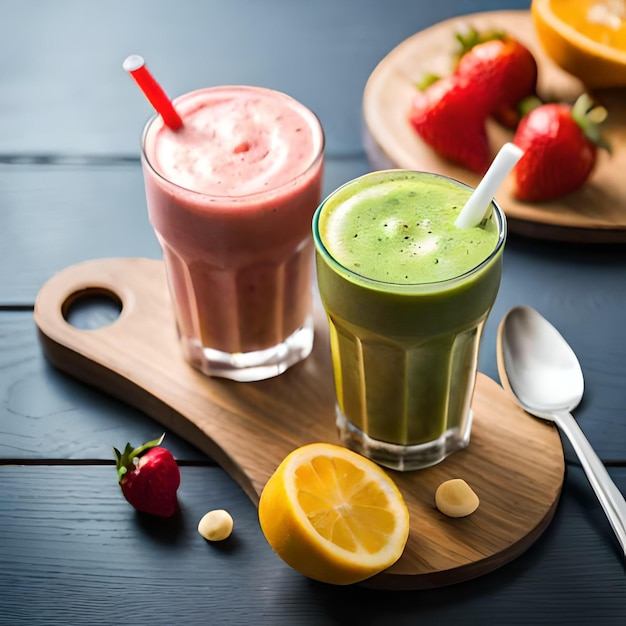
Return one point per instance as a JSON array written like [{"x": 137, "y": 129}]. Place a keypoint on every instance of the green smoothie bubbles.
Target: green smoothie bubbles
[{"x": 407, "y": 294}]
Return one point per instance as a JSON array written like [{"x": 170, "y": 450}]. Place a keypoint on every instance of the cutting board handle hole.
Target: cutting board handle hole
[{"x": 91, "y": 308}]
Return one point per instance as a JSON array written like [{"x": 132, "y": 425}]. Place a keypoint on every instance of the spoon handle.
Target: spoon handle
[{"x": 610, "y": 497}]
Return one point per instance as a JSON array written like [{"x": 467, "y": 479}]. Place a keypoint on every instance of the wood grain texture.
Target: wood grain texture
[
  {"x": 60, "y": 213},
  {"x": 514, "y": 462},
  {"x": 47, "y": 416},
  {"x": 320, "y": 53},
  {"x": 66, "y": 545},
  {"x": 73, "y": 552},
  {"x": 594, "y": 213}
]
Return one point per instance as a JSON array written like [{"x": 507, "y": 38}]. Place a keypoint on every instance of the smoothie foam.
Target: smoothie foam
[
  {"x": 235, "y": 142},
  {"x": 402, "y": 231}
]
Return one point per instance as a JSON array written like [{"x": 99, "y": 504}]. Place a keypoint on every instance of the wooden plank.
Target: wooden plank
[
  {"x": 582, "y": 298},
  {"x": 514, "y": 462},
  {"x": 64, "y": 89},
  {"x": 45, "y": 414},
  {"x": 74, "y": 552},
  {"x": 579, "y": 289},
  {"x": 55, "y": 215}
]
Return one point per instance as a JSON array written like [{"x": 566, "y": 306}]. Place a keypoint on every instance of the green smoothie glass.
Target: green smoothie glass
[{"x": 407, "y": 295}]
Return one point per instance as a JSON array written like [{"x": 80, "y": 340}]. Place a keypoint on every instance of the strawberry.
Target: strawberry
[
  {"x": 560, "y": 146},
  {"x": 493, "y": 74},
  {"x": 449, "y": 115},
  {"x": 504, "y": 66},
  {"x": 149, "y": 477}
]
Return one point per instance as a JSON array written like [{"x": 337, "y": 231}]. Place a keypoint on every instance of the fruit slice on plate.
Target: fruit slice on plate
[
  {"x": 586, "y": 38},
  {"x": 333, "y": 515}
]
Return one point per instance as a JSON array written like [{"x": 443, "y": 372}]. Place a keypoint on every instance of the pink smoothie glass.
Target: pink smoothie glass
[{"x": 231, "y": 195}]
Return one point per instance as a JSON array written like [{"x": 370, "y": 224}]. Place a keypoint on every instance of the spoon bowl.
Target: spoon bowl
[
  {"x": 537, "y": 365},
  {"x": 540, "y": 370}
]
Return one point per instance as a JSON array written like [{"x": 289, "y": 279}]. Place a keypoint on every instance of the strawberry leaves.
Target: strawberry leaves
[
  {"x": 124, "y": 461},
  {"x": 590, "y": 117},
  {"x": 149, "y": 477}
]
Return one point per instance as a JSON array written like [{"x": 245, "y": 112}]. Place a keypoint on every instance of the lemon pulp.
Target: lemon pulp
[
  {"x": 603, "y": 21},
  {"x": 333, "y": 515},
  {"x": 343, "y": 506}
]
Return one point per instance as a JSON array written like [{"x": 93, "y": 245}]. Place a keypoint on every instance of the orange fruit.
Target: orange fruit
[
  {"x": 333, "y": 515},
  {"x": 587, "y": 38}
]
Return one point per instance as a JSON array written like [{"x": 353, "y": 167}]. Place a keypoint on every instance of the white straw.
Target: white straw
[{"x": 476, "y": 207}]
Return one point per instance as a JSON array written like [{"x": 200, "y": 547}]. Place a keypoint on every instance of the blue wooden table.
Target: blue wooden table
[{"x": 72, "y": 551}]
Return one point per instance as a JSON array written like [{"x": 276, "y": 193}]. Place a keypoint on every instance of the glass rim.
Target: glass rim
[
  {"x": 434, "y": 284},
  {"x": 318, "y": 130}
]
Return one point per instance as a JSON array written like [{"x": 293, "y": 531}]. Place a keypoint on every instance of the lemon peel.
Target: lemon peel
[
  {"x": 573, "y": 36},
  {"x": 333, "y": 515}
]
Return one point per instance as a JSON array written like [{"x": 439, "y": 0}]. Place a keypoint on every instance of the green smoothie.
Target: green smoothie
[{"x": 407, "y": 294}]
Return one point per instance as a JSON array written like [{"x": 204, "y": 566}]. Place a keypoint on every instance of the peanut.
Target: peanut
[
  {"x": 455, "y": 498},
  {"x": 216, "y": 525}
]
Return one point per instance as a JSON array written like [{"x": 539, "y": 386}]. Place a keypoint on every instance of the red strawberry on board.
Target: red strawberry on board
[
  {"x": 449, "y": 116},
  {"x": 560, "y": 144},
  {"x": 149, "y": 477},
  {"x": 505, "y": 67}
]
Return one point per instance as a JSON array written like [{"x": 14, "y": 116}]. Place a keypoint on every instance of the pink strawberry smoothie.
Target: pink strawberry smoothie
[{"x": 231, "y": 196}]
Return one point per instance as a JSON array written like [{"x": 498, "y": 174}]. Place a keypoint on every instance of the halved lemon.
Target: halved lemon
[
  {"x": 333, "y": 515},
  {"x": 587, "y": 38}
]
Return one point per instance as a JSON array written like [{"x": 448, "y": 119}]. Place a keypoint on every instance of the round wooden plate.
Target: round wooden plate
[
  {"x": 594, "y": 213},
  {"x": 514, "y": 462}
]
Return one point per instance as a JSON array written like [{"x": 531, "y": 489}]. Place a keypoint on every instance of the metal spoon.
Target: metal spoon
[{"x": 538, "y": 367}]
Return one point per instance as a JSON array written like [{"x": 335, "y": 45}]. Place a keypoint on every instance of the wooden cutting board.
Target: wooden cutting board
[
  {"x": 596, "y": 212},
  {"x": 514, "y": 462}
]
